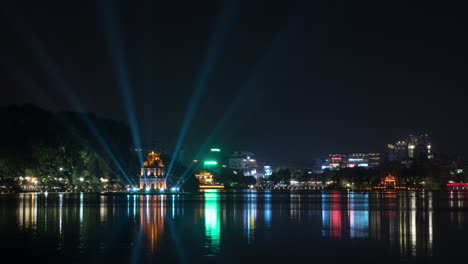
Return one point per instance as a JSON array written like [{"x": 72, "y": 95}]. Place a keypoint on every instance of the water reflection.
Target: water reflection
[
  {"x": 332, "y": 214},
  {"x": 152, "y": 218},
  {"x": 267, "y": 212},
  {"x": 358, "y": 212},
  {"x": 210, "y": 224},
  {"x": 212, "y": 221},
  {"x": 250, "y": 216},
  {"x": 352, "y": 216},
  {"x": 27, "y": 211},
  {"x": 457, "y": 202}
]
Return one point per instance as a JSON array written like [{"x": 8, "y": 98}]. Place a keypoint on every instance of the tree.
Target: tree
[{"x": 281, "y": 176}]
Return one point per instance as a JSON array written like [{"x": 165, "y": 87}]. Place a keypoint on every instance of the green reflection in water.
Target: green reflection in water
[{"x": 212, "y": 221}]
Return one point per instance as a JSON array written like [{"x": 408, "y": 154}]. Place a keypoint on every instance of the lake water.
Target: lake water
[{"x": 237, "y": 227}]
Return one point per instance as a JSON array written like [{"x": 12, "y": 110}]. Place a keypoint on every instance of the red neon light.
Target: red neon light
[
  {"x": 335, "y": 158},
  {"x": 457, "y": 184}
]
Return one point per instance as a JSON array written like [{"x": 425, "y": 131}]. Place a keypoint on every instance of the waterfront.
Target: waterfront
[{"x": 243, "y": 226}]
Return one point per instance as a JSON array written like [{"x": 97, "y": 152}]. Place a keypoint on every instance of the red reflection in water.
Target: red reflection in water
[{"x": 336, "y": 220}]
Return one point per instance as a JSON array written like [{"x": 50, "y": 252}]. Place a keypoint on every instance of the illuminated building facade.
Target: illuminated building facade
[
  {"x": 242, "y": 160},
  {"x": 153, "y": 172},
  {"x": 415, "y": 147},
  {"x": 419, "y": 147},
  {"x": 204, "y": 177},
  {"x": 340, "y": 161},
  {"x": 246, "y": 162},
  {"x": 390, "y": 182},
  {"x": 397, "y": 151}
]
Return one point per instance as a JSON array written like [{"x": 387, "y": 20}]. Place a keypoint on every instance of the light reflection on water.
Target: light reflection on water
[
  {"x": 212, "y": 221},
  {"x": 209, "y": 224}
]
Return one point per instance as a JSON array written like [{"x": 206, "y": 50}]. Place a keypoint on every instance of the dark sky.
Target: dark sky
[{"x": 288, "y": 80}]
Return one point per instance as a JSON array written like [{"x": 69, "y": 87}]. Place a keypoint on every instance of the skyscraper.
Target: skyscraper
[{"x": 414, "y": 147}]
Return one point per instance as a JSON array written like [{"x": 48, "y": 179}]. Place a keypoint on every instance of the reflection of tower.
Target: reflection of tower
[
  {"x": 152, "y": 214},
  {"x": 408, "y": 235},
  {"x": 430, "y": 224},
  {"x": 403, "y": 226}
]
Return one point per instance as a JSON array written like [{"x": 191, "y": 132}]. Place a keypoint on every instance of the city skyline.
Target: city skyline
[{"x": 306, "y": 78}]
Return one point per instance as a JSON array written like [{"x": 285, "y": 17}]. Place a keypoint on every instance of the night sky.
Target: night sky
[{"x": 287, "y": 80}]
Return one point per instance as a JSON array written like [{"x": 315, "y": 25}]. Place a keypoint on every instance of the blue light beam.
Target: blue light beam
[
  {"x": 112, "y": 33},
  {"x": 46, "y": 62},
  {"x": 223, "y": 21}
]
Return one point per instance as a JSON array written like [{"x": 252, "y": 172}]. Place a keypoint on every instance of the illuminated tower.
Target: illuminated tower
[{"x": 153, "y": 172}]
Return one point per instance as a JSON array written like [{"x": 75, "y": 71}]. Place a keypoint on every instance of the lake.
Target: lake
[{"x": 236, "y": 227}]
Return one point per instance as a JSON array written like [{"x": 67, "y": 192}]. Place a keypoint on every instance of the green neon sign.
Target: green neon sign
[
  {"x": 215, "y": 150},
  {"x": 211, "y": 162}
]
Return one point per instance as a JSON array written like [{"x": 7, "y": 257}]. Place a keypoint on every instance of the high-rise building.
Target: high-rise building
[
  {"x": 397, "y": 151},
  {"x": 415, "y": 147},
  {"x": 419, "y": 147}
]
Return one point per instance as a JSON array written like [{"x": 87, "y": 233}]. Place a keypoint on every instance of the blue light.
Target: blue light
[
  {"x": 216, "y": 43},
  {"x": 60, "y": 82}
]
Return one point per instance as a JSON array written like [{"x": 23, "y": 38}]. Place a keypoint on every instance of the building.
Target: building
[
  {"x": 374, "y": 159},
  {"x": 204, "y": 177},
  {"x": 414, "y": 147},
  {"x": 242, "y": 160},
  {"x": 340, "y": 161},
  {"x": 153, "y": 172},
  {"x": 397, "y": 151},
  {"x": 246, "y": 162},
  {"x": 419, "y": 147},
  {"x": 267, "y": 171}
]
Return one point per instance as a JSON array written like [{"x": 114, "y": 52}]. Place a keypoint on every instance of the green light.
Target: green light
[
  {"x": 211, "y": 162},
  {"x": 459, "y": 170},
  {"x": 212, "y": 221},
  {"x": 215, "y": 150}
]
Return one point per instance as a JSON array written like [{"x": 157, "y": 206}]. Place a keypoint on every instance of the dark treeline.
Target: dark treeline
[{"x": 64, "y": 150}]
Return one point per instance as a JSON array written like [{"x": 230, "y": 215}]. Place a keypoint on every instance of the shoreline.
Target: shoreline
[{"x": 242, "y": 191}]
